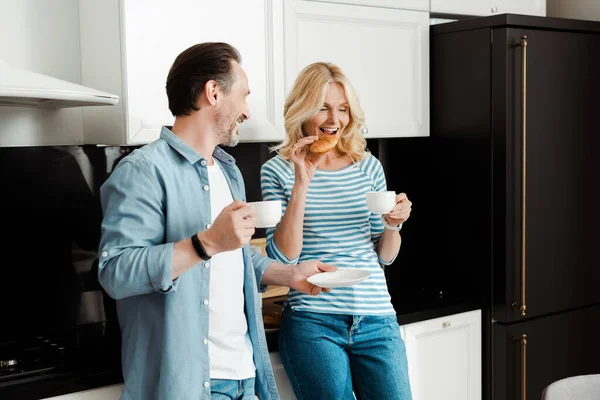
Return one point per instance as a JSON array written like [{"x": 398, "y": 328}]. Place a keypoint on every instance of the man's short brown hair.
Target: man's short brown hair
[{"x": 193, "y": 68}]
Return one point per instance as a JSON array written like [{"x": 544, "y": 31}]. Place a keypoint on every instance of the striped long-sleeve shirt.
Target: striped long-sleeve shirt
[{"x": 338, "y": 230}]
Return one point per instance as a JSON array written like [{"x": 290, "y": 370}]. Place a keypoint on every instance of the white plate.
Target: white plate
[{"x": 340, "y": 278}]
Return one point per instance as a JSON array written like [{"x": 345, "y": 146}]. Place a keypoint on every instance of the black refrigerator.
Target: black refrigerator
[{"x": 515, "y": 123}]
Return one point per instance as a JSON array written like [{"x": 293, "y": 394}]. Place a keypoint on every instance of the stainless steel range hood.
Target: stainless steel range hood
[{"x": 19, "y": 87}]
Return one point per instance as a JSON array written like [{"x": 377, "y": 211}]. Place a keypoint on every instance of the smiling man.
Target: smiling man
[{"x": 174, "y": 249}]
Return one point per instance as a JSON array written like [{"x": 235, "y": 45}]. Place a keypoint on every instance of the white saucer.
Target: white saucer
[{"x": 340, "y": 278}]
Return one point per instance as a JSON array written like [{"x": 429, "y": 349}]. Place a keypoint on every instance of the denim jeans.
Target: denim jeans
[
  {"x": 328, "y": 356},
  {"x": 228, "y": 389}
]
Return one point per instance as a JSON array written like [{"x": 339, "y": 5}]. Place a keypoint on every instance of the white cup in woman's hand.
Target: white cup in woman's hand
[
  {"x": 266, "y": 213},
  {"x": 381, "y": 202}
]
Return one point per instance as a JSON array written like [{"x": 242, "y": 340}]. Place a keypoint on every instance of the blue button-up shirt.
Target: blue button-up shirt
[{"x": 156, "y": 196}]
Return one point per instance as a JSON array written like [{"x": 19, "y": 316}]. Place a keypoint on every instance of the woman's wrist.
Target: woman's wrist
[
  {"x": 391, "y": 227},
  {"x": 299, "y": 188}
]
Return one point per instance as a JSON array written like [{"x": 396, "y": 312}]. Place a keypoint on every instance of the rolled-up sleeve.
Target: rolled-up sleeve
[
  {"x": 379, "y": 185},
  {"x": 133, "y": 257},
  {"x": 272, "y": 189},
  {"x": 260, "y": 263}
]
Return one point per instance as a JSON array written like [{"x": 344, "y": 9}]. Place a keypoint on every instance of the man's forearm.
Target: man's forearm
[{"x": 278, "y": 274}]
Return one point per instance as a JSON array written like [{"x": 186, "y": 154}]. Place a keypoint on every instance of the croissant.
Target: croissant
[{"x": 324, "y": 144}]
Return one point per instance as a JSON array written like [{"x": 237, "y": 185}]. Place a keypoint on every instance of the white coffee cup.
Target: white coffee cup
[
  {"x": 381, "y": 202},
  {"x": 266, "y": 213}
]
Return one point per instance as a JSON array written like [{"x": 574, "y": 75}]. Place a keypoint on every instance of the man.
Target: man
[{"x": 174, "y": 249}]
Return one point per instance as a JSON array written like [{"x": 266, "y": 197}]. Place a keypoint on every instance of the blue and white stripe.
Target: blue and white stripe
[{"x": 338, "y": 230}]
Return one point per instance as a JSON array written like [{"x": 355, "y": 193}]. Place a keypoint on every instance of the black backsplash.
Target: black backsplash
[
  {"x": 59, "y": 328},
  {"x": 56, "y": 319}
]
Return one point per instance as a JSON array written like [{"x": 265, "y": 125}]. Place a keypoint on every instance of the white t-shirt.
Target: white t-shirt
[{"x": 229, "y": 346}]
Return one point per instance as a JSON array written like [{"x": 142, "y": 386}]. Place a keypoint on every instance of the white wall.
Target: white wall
[
  {"x": 42, "y": 36},
  {"x": 574, "y": 9}
]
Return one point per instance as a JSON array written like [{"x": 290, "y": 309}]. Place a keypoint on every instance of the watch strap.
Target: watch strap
[{"x": 199, "y": 248}]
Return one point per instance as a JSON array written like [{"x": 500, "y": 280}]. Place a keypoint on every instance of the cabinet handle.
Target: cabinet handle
[
  {"x": 523, "y": 340},
  {"x": 523, "y": 45},
  {"x": 446, "y": 324}
]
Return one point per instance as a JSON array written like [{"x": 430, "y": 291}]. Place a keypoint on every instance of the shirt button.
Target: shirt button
[
  {"x": 208, "y": 226},
  {"x": 205, "y": 302},
  {"x": 206, "y": 265},
  {"x": 104, "y": 254},
  {"x": 203, "y": 162},
  {"x": 205, "y": 341},
  {"x": 206, "y": 384},
  {"x": 205, "y": 187}
]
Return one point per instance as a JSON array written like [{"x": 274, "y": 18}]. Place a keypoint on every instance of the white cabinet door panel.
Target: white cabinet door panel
[
  {"x": 444, "y": 357},
  {"x": 419, "y": 5},
  {"x": 527, "y": 7},
  {"x": 489, "y": 7},
  {"x": 461, "y": 7},
  {"x": 130, "y": 45},
  {"x": 384, "y": 53},
  {"x": 284, "y": 387}
]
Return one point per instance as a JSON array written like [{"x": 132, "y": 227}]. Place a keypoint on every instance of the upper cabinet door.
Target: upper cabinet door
[
  {"x": 419, "y": 5},
  {"x": 527, "y": 7},
  {"x": 461, "y": 7},
  {"x": 384, "y": 53},
  {"x": 128, "y": 46},
  {"x": 489, "y": 7}
]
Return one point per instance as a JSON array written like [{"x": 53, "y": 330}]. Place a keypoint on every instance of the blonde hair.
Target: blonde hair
[{"x": 306, "y": 99}]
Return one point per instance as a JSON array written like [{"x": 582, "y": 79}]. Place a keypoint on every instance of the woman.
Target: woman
[{"x": 346, "y": 340}]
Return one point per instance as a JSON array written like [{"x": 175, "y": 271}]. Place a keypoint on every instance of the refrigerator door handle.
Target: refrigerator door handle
[
  {"x": 523, "y": 340},
  {"x": 523, "y": 45}
]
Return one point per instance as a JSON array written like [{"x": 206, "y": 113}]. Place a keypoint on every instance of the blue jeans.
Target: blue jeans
[
  {"x": 228, "y": 389},
  {"x": 328, "y": 356}
]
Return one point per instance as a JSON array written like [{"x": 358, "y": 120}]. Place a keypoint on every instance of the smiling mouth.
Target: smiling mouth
[{"x": 329, "y": 131}]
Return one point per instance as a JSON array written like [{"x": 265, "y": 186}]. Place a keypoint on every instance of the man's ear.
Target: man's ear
[{"x": 212, "y": 92}]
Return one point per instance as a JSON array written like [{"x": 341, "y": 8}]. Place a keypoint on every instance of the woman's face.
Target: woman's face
[{"x": 333, "y": 116}]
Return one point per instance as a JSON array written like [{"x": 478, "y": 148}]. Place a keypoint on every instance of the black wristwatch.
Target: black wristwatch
[{"x": 199, "y": 248}]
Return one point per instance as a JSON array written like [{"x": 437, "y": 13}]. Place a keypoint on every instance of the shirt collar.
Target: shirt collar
[{"x": 187, "y": 152}]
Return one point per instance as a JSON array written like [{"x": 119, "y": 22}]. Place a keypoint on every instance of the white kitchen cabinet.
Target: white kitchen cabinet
[
  {"x": 104, "y": 393},
  {"x": 444, "y": 357},
  {"x": 527, "y": 7},
  {"x": 284, "y": 387},
  {"x": 419, "y": 5},
  {"x": 489, "y": 7},
  {"x": 128, "y": 46},
  {"x": 383, "y": 51}
]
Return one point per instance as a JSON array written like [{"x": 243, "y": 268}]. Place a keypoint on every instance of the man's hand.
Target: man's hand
[
  {"x": 303, "y": 270},
  {"x": 233, "y": 228}
]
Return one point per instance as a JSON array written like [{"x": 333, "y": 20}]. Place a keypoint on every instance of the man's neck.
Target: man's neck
[{"x": 196, "y": 134}]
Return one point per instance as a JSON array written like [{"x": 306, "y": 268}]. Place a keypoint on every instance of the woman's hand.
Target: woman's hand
[
  {"x": 305, "y": 164},
  {"x": 401, "y": 211}
]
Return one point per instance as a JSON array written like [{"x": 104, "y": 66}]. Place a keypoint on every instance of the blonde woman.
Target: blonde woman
[{"x": 347, "y": 340}]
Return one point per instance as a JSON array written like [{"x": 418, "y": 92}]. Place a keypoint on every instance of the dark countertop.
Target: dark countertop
[{"x": 410, "y": 309}]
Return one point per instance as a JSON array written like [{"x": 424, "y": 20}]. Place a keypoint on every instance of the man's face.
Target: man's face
[{"x": 233, "y": 110}]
